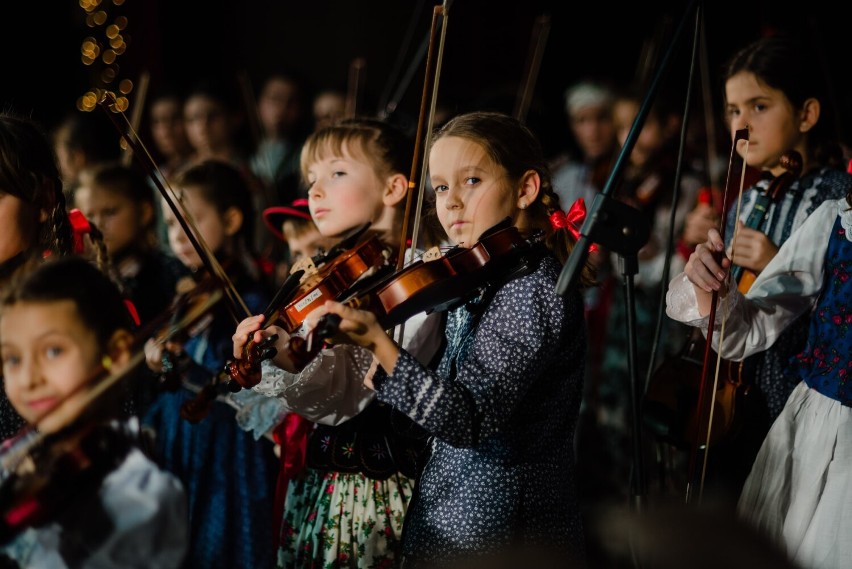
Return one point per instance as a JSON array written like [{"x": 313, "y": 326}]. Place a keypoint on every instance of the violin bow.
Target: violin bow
[
  {"x": 538, "y": 41},
  {"x": 138, "y": 108},
  {"x": 236, "y": 304},
  {"x": 355, "y": 86},
  {"x": 425, "y": 121},
  {"x": 741, "y": 135}
]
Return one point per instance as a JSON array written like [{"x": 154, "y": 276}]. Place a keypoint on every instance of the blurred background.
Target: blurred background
[{"x": 489, "y": 47}]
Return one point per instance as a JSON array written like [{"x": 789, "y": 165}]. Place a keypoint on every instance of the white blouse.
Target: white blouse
[{"x": 788, "y": 287}]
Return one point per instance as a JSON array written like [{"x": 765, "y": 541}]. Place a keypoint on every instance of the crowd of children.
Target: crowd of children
[{"x": 485, "y": 427}]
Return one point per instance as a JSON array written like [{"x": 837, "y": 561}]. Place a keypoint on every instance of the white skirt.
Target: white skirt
[{"x": 799, "y": 491}]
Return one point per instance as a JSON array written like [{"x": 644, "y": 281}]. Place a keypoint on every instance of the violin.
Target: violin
[
  {"x": 434, "y": 283},
  {"x": 307, "y": 288},
  {"x": 62, "y": 471},
  {"x": 190, "y": 312},
  {"x": 671, "y": 405}
]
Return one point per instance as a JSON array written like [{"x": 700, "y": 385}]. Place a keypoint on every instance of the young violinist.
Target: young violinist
[
  {"x": 33, "y": 217},
  {"x": 502, "y": 406},
  {"x": 346, "y": 507},
  {"x": 773, "y": 89},
  {"x": 797, "y": 492},
  {"x": 228, "y": 475},
  {"x": 96, "y": 499}
]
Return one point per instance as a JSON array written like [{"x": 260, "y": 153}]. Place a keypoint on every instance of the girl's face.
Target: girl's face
[
  {"x": 168, "y": 130},
  {"x": 345, "y": 192},
  {"x": 47, "y": 353},
  {"x": 472, "y": 192},
  {"x": 121, "y": 220},
  {"x": 307, "y": 243},
  {"x": 209, "y": 126},
  {"x": 651, "y": 138},
  {"x": 19, "y": 220},
  {"x": 594, "y": 131},
  {"x": 773, "y": 123},
  {"x": 279, "y": 107},
  {"x": 213, "y": 229}
]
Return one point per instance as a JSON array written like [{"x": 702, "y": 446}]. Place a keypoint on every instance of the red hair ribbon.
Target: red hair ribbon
[
  {"x": 79, "y": 227},
  {"x": 572, "y": 220}
]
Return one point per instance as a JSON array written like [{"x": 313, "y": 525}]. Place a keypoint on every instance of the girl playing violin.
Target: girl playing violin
[
  {"x": 346, "y": 508},
  {"x": 797, "y": 492},
  {"x": 503, "y": 404},
  {"x": 33, "y": 219},
  {"x": 773, "y": 89},
  {"x": 63, "y": 327},
  {"x": 229, "y": 476}
]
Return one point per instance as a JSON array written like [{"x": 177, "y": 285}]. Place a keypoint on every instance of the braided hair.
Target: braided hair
[{"x": 29, "y": 171}]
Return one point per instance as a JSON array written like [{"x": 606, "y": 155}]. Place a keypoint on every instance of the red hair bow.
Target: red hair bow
[{"x": 572, "y": 220}]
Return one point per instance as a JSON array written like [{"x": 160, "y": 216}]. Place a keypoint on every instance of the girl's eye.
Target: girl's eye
[
  {"x": 337, "y": 174},
  {"x": 471, "y": 181},
  {"x": 441, "y": 188},
  {"x": 9, "y": 360},
  {"x": 53, "y": 351}
]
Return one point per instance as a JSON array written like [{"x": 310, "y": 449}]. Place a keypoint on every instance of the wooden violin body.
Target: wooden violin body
[{"x": 434, "y": 285}]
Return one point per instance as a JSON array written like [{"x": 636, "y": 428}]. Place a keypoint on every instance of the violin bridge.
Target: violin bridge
[
  {"x": 304, "y": 264},
  {"x": 432, "y": 254}
]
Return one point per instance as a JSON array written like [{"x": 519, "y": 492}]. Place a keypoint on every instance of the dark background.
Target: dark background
[{"x": 483, "y": 65}]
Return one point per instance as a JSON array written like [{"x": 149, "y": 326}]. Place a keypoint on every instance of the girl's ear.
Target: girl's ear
[
  {"x": 119, "y": 347},
  {"x": 809, "y": 115},
  {"x": 146, "y": 213},
  {"x": 233, "y": 220},
  {"x": 396, "y": 189},
  {"x": 530, "y": 185}
]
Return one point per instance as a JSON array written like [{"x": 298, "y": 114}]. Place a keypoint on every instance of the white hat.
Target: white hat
[{"x": 586, "y": 94}]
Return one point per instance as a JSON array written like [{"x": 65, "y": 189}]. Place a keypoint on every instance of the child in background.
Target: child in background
[
  {"x": 120, "y": 202},
  {"x": 168, "y": 131},
  {"x": 62, "y": 327},
  {"x": 503, "y": 404},
  {"x": 282, "y": 108},
  {"x": 229, "y": 477},
  {"x": 172, "y": 150},
  {"x": 33, "y": 218},
  {"x": 293, "y": 226},
  {"x": 81, "y": 140},
  {"x": 346, "y": 509}
]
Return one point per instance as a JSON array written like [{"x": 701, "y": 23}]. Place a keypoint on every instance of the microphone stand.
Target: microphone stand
[{"x": 623, "y": 230}]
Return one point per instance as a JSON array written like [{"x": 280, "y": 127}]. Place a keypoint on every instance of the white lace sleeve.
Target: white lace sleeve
[
  {"x": 788, "y": 286},
  {"x": 331, "y": 389}
]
